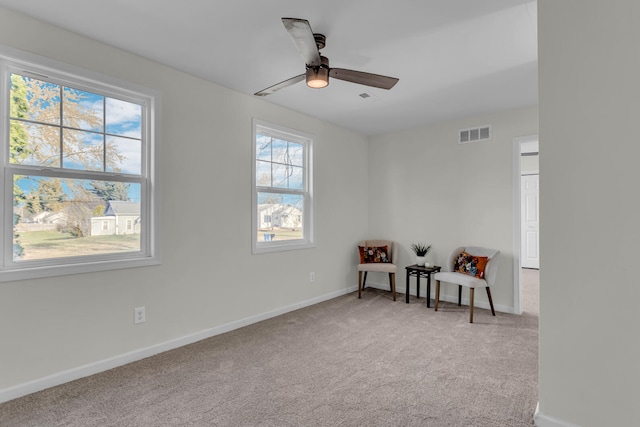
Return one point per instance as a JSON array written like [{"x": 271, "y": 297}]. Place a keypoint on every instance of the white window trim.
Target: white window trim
[
  {"x": 150, "y": 253},
  {"x": 308, "y": 225}
]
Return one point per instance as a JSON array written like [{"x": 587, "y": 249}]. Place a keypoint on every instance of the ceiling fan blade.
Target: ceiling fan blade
[
  {"x": 367, "y": 79},
  {"x": 281, "y": 85},
  {"x": 302, "y": 36}
]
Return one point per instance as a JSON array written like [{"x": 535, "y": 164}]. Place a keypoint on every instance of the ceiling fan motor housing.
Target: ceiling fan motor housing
[
  {"x": 318, "y": 77},
  {"x": 320, "y": 40}
]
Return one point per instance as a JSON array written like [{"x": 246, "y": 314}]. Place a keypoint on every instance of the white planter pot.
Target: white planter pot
[{"x": 420, "y": 260}]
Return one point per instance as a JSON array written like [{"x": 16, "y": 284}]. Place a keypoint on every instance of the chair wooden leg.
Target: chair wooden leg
[
  {"x": 459, "y": 295},
  {"x": 359, "y": 284},
  {"x": 392, "y": 282},
  {"x": 437, "y": 294},
  {"x": 471, "y": 291},
  {"x": 490, "y": 301}
]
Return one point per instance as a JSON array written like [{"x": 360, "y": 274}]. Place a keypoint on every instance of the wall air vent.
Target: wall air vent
[{"x": 466, "y": 136}]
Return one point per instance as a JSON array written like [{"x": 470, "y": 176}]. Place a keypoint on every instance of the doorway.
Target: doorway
[{"x": 526, "y": 263}]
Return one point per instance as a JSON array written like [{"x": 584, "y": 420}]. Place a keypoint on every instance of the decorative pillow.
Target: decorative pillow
[
  {"x": 361, "y": 251},
  {"x": 373, "y": 254},
  {"x": 471, "y": 264}
]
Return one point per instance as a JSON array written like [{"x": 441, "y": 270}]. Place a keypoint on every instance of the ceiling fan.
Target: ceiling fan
[{"x": 318, "y": 71}]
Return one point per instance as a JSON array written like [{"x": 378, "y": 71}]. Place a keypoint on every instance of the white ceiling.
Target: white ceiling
[{"x": 454, "y": 58}]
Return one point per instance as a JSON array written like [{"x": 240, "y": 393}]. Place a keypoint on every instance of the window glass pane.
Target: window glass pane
[
  {"x": 280, "y": 151},
  {"x": 83, "y": 110},
  {"x": 296, "y": 153},
  {"x": 57, "y": 218},
  {"x": 83, "y": 150},
  {"x": 285, "y": 176},
  {"x": 280, "y": 176},
  {"x": 33, "y": 144},
  {"x": 279, "y": 217},
  {"x": 124, "y": 155},
  {"x": 296, "y": 180},
  {"x": 263, "y": 173},
  {"x": 123, "y": 118},
  {"x": 34, "y": 100},
  {"x": 263, "y": 147}
]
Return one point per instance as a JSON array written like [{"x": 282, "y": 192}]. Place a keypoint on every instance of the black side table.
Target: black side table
[{"x": 421, "y": 271}]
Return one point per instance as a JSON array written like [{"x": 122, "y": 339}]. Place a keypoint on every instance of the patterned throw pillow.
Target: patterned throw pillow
[
  {"x": 373, "y": 254},
  {"x": 471, "y": 264}
]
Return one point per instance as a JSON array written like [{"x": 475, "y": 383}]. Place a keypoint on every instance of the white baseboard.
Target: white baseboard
[
  {"x": 132, "y": 356},
  {"x": 541, "y": 420},
  {"x": 448, "y": 298}
]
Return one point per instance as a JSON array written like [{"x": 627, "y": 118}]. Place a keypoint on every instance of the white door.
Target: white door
[{"x": 530, "y": 236}]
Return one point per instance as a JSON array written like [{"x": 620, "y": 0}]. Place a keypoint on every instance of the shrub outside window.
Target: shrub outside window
[
  {"x": 282, "y": 189},
  {"x": 78, "y": 171}
]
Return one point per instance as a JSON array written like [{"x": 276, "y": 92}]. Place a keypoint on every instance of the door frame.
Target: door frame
[{"x": 517, "y": 151}]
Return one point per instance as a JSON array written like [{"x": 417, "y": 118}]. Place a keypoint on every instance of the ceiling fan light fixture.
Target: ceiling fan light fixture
[{"x": 317, "y": 79}]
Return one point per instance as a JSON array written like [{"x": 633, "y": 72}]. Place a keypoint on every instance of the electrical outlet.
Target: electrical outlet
[
  {"x": 140, "y": 315},
  {"x": 312, "y": 277}
]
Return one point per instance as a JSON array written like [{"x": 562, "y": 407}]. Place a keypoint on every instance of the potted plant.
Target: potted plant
[{"x": 421, "y": 250}]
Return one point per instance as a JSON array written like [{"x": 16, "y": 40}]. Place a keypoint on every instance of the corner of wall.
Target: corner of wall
[{"x": 541, "y": 420}]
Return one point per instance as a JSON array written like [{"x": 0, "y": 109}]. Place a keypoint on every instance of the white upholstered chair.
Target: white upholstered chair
[
  {"x": 380, "y": 267},
  {"x": 471, "y": 282}
]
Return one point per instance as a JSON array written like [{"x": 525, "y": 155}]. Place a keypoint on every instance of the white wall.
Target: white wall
[
  {"x": 425, "y": 187},
  {"x": 208, "y": 276},
  {"x": 589, "y": 150}
]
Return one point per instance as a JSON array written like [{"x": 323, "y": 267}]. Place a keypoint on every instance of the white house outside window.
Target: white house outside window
[
  {"x": 282, "y": 188},
  {"x": 73, "y": 144}
]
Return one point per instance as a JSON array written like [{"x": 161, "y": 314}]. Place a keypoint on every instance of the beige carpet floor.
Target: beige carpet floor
[
  {"x": 531, "y": 290},
  {"x": 343, "y": 362}
]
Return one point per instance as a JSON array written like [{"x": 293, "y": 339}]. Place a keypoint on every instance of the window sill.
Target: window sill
[
  {"x": 274, "y": 247},
  {"x": 85, "y": 267}
]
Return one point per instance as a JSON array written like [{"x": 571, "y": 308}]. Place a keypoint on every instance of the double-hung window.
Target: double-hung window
[
  {"x": 78, "y": 154},
  {"x": 282, "y": 188}
]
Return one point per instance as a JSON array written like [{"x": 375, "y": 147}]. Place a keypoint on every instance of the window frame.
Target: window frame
[
  {"x": 308, "y": 227},
  {"x": 23, "y": 63}
]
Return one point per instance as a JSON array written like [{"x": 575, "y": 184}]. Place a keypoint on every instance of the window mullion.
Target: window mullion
[
  {"x": 72, "y": 174},
  {"x": 60, "y": 125},
  {"x": 261, "y": 189},
  {"x": 104, "y": 131},
  {"x": 271, "y": 159}
]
